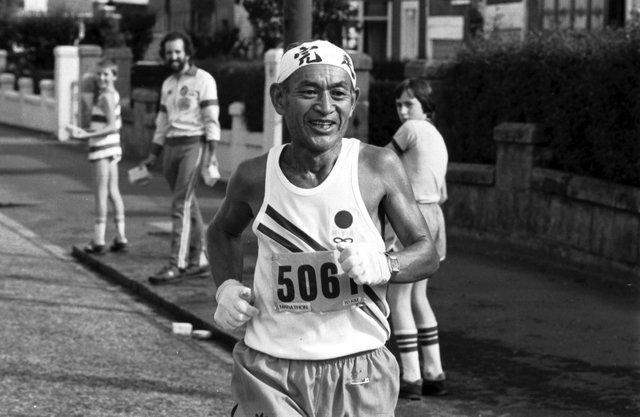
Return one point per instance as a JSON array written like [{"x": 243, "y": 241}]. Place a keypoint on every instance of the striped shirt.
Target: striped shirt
[
  {"x": 108, "y": 145},
  {"x": 188, "y": 107}
]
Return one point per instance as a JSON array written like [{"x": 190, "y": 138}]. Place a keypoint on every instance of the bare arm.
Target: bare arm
[
  {"x": 224, "y": 234},
  {"x": 418, "y": 259},
  {"x": 107, "y": 104},
  {"x": 224, "y": 245}
]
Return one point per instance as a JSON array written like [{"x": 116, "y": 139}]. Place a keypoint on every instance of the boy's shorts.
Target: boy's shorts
[
  {"x": 364, "y": 384},
  {"x": 434, "y": 218}
]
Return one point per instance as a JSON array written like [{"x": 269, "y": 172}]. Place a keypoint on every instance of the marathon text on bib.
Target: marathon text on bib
[{"x": 313, "y": 282}]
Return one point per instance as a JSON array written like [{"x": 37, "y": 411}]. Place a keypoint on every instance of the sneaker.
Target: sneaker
[
  {"x": 410, "y": 390},
  {"x": 94, "y": 249},
  {"x": 167, "y": 274},
  {"x": 119, "y": 246},
  {"x": 194, "y": 270},
  {"x": 434, "y": 388}
]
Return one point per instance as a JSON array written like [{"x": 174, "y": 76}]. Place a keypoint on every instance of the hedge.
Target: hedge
[
  {"x": 583, "y": 88},
  {"x": 39, "y": 34},
  {"x": 383, "y": 119}
]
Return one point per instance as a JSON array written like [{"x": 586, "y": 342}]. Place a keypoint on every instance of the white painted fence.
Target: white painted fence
[
  {"x": 23, "y": 108},
  {"x": 55, "y": 107}
]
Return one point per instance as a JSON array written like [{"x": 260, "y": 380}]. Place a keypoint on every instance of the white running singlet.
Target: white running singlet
[{"x": 309, "y": 309}]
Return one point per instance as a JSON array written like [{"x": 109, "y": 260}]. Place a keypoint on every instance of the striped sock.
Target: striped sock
[
  {"x": 428, "y": 336},
  {"x": 430, "y": 349},
  {"x": 407, "y": 341}
]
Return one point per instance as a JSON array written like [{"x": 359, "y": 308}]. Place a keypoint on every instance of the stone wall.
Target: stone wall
[{"x": 582, "y": 219}]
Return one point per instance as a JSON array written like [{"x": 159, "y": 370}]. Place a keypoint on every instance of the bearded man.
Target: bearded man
[{"x": 186, "y": 126}]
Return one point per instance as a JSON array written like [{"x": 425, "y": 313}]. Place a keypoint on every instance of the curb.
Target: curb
[{"x": 141, "y": 290}]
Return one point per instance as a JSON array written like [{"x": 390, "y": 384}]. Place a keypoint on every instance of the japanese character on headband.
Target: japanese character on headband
[{"x": 315, "y": 52}]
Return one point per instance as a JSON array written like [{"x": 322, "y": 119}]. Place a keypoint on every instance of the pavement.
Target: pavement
[
  {"x": 521, "y": 334},
  {"x": 74, "y": 344}
]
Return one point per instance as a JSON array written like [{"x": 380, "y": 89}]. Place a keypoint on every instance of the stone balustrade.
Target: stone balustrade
[
  {"x": 7, "y": 81},
  {"x": 47, "y": 88},
  {"x": 23, "y": 108},
  {"x": 3, "y": 60},
  {"x": 25, "y": 85}
]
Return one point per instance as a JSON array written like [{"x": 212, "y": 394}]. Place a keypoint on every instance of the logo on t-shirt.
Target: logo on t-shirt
[
  {"x": 184, "y": 103},
  {"x": 341, "y": 229}
]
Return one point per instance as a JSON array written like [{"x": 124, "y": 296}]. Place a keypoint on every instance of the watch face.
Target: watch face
[{"x": 394, "y": 265}]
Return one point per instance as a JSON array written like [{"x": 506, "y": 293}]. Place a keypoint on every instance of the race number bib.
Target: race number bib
[{"x": 313, "y": 282}]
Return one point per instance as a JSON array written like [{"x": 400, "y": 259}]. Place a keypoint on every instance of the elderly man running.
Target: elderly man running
[{"x": 316, "y": 316}]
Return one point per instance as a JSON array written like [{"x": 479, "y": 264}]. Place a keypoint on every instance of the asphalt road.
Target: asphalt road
[
  {"x": 75, "y": 345},
  {"x": 520, "y": 335}
]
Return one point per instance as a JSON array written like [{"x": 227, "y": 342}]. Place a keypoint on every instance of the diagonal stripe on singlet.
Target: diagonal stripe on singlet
[
  {"x": 370, "y": 313},
  {"x": 278, "y": 238},
  {"x": 295, "y": 230},
  {"x": 374, "y": 297}
]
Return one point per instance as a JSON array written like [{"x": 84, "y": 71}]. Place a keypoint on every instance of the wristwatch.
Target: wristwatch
[{"x": 394, "y": 265}]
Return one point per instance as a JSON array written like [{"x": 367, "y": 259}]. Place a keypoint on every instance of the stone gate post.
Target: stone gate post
[
  {"x": 272, "y": 121},
  {"x": 518, "y": 146},
  {"x": 359, "y": 126}
]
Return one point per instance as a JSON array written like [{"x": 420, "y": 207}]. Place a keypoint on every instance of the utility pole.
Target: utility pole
[
  {"x": 396, "y": 29},
  {"x": 423, "y": 12},
  {"x": 297, "y": 27},
  {"x": 297, "y": 20}
]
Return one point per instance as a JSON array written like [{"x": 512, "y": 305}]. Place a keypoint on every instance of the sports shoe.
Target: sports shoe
[
  {"x": 119, "y": 246},
  {"x": 167, "y": 274},
  {"x": 94, "y": 249},
  {"x": 410, "y": 390},
  {"x": 195, "y": 270},
  {"x": 434, "y": 388}
]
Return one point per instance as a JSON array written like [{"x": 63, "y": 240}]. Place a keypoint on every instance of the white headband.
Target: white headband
[{"x": 315, "y": 52}]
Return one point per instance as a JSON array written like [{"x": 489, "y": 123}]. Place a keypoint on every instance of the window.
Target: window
[{"x": 579, "y": 14}]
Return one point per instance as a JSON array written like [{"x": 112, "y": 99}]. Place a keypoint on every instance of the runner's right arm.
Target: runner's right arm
[{"x": 225, "y": 246}]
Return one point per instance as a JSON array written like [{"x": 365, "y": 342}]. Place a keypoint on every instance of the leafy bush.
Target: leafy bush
[
  {"x": 224, "y": 44},
  {"x": 388, "y": 71},
  {"x": 328, "y": 17},
  {"x": 147, "y": 75},
  {"x": 383, "y": 120},
  {"x": 138, "y": 32},
  {"x": 583, "y": 88},
  {"x": 30, "y": 39}
]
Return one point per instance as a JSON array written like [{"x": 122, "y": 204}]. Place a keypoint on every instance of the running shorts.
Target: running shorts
[
  {"x": 434, "y": 218},
  {"x": 363, "y": 384}
]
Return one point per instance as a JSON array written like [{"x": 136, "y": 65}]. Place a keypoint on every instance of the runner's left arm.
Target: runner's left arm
[{"x": 418, "y": 259}]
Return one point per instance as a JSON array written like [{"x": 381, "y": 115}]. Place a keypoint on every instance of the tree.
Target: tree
[{"x": 329, "y": 17}]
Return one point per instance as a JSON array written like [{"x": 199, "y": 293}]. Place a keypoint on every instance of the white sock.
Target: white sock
[
  {"x": 407, "y": 341},
  {"x": 99, "y": 229},
  {"x": 120, "y": 229}
]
